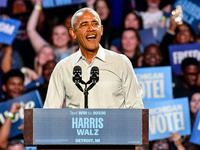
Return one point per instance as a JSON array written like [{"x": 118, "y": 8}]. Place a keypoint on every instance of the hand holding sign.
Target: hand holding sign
[{"x": 15, "y": 108}]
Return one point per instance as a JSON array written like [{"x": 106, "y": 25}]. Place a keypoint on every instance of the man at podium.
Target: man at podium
[{"x": 93, "y": 77}]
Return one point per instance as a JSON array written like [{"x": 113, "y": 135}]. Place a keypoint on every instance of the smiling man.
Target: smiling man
[{"x": 117, "y": 86}]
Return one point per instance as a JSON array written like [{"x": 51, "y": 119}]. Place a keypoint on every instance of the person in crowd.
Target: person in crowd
[
  {"x": 103, "y": 8},
  {"x": 45, "y": 54},
  {"x": 131, "y": 20},
  {"x": 176, "y": 34},
  {"x": 116, "y": 72},
  {"x": 13, "y": 87},
  {"x": 165, "y": 144},
  {"x": 152, "y": 17},
  {"x": 194, "y": 107},
  {"x": 188, "y": 84},
  {"x": 151, "y": 57},
  {"x": 15, "y": 145},
  {"x": 130, "y": 45},
  {"x": 46, "y": 73},
  {"x": 60, "y": 35}
]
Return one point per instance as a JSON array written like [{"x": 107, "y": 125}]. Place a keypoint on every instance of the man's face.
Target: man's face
[
  {"x": 190, "y": 75},
  {"x": 88, "y": 31},
  {"x": 14, "y": 87}
]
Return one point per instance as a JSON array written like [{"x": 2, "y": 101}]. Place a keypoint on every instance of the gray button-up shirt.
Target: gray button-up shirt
[{"x": 117, "y": 87}]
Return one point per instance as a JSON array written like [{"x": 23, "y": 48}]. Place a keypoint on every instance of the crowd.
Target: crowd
[{"x": 43, "y": 40}]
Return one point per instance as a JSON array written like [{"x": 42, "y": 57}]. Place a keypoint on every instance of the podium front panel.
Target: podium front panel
[{"x": 88, "y": 126}]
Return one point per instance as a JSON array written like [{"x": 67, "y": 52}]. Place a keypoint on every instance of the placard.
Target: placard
[
  {"x": 28, "y": 100},
  {"x": 8, "y": 30},
  {"x": 181, "y": 51},
  {"x": 146, "y": 37},
  {"x": 156, "y": 82},
  {"x": 59, "y": 3},
  {"x": 191, "y": 12},
  {"x": 168, "y": 116},
  {"x": 3, "y": 3},
  {"x": 195, "y": 136}
]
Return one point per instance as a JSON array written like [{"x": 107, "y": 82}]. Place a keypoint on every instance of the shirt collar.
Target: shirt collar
[{"x": 100, "y": 54}]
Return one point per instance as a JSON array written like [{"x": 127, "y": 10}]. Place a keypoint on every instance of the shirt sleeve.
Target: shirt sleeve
[
  {"x": 131, "y": 88},
  {"x": 56, "y": 90}
]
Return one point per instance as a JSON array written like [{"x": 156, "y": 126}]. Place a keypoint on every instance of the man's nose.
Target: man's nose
[{"x": 91, "y": 28}]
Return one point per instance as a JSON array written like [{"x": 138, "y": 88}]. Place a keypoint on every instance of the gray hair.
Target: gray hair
[{"x": 74, "y": 17}]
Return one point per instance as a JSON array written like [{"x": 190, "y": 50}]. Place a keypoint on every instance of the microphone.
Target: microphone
[
  {"x": 77, "y": 77},
  {"x": 94, "y": 77}
]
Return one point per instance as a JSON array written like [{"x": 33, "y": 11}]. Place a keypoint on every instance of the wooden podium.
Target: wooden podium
[{"x": 86, "y": 128}]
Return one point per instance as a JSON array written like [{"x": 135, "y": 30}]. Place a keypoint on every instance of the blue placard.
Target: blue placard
[
  {"x": 195, "y": 136},
  {"x": 156, "y": 82},
  {"x": 168, "y": 116},
  {"x": 179, "y": 52},
  {"x": 8, "y": 30},
  {"x": 33, "y": 83},
  {"x": 59, "y": 3},
  {"x": 191, "y": 12},
  {"x": 146, "y": 37},
  {"x": 28, "y": 100},
  {"x": 3, "y": 3}
]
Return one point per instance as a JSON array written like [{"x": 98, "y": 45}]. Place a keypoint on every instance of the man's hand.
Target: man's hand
[{"x": 176, "y": 138}]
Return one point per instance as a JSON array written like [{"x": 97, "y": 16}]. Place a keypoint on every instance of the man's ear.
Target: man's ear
[
  {"x": 101, "y": 30},
  {"x": 4, "y": 88},
  {"x": 72, "y": 33}
]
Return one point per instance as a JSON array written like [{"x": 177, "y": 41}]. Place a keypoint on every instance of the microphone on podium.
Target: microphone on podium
[
  {"x": 94, "y": 77},
  {"x": 77, "y": 77}
]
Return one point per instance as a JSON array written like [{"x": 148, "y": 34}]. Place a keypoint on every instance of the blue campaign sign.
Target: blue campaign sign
[
  {"x": 156, "y": 82},
  {"x": 191, "y": 12},
  {"x": 3, "y": 3},
  {"x": 168, "y": 116},
  {"x": 179, "y": 52},
  {"x": 59, "y": 3},
  {"x": 28, "y": 100},
  {"x": 8, "y": 30},
  {"x": 146, "y": 37},
  {"x": 195, "y": 136}
]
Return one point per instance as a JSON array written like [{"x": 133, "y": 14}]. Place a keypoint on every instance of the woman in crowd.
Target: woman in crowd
[
  {"x": 151, "y": 57},
  {"x": 130, "y": 45},
  {"x": 194, "y": 107},
  {"x": 60, "y": 35},
  {"x": 131, "y": 20},
  {"x": 176, "y": 34},
  {"x": 103, "y": 8}
]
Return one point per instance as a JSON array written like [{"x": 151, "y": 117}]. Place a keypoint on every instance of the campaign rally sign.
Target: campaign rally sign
[
  {"x": 146, "y": 37},
  {"x": 168, "y": 116},
  {"x": 156, "y": 82},
  {"x": 59, "y": 3},
  {"x": 3, "y": 3},
  {"x": 28, "y": 100},
  {"x": 191, "y": 12},
  {"x": 179, "y": 52},
  {"x": 8, "y": 30},
  {"x": 195, "y": 136}
]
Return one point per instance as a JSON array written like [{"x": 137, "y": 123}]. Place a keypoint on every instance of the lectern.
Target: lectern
[{"x": 86, "y": 128}]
